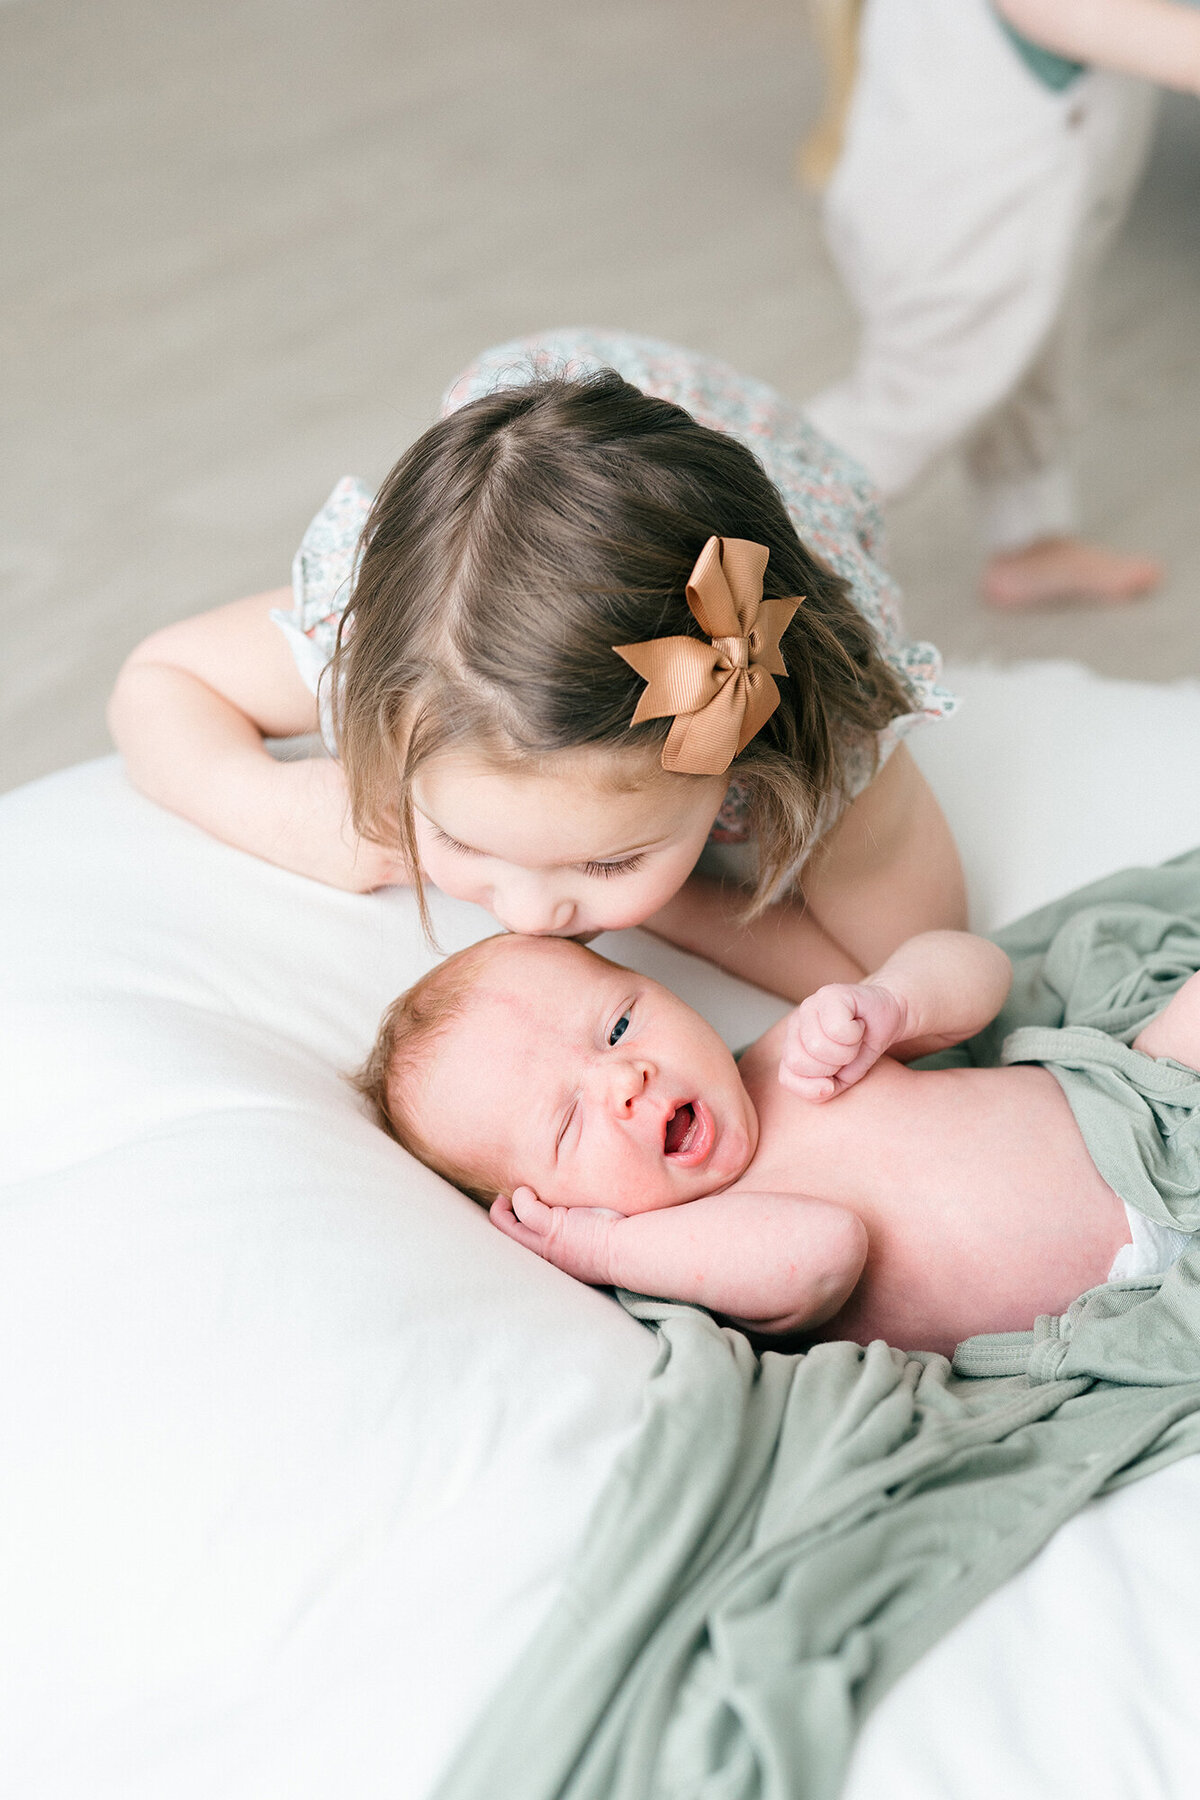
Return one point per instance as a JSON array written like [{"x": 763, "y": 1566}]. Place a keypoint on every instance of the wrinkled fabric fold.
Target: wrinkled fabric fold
[{"x": 781, "y": 1541}]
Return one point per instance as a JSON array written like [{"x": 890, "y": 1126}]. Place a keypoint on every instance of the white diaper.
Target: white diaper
[{"x": 1153, "y": 1250}]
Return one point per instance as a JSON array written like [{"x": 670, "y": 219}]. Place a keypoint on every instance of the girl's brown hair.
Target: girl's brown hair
[{"x": 523, "y": 536}]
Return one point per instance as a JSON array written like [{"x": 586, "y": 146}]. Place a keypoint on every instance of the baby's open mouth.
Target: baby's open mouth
[
  {"x": 681, "y": 1126},
  {"x": 688, "y": 1134}
]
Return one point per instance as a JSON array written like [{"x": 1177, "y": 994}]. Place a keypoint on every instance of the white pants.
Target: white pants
[{"x": 966, "y": 216}]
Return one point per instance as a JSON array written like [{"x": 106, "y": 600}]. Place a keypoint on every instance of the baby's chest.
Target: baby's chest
[
  {"x": 853, "y": 1148},
  {"x": 913, "y": 1153}
]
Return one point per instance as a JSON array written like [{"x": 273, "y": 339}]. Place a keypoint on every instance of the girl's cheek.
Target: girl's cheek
[
  {"x": 620, "y": 911},
  {"x": 449, "y": 873},
  {"x": 637, "y": 902},
  {"x": 662, "y": 886}
]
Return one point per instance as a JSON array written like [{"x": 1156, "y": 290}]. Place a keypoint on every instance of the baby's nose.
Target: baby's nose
[{"x": 624, "y": 1083}]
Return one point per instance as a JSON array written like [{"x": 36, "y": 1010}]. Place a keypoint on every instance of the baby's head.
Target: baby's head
[
  {"x": 533, "y": 1062},
  {"x": 482, "y": 712}
]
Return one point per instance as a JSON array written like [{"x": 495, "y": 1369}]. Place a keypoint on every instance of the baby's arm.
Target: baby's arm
[
  {"x": 933, "y": 991},
  {"x": 1156, "y": 39},
  {"x": 774, "y": 1262},
  {"x": 189, "y": 713}
]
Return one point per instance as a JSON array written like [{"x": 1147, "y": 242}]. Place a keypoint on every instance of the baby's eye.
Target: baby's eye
[
  {"x": 625, "y": 866},
  {"x": 619, "y": 1029}
]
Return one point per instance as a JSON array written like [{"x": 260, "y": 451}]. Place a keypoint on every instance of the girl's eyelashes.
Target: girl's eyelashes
[
  {"x": 625, "y": 866},
  {"x": 449, "y": 843}
]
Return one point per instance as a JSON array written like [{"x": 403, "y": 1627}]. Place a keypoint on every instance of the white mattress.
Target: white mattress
[{"x": 297, "y": 1446}]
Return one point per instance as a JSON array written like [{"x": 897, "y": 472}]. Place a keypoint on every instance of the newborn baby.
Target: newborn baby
[{"x": 819, "y": 1183}]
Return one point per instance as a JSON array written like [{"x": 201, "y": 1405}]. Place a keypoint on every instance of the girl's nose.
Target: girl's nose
[{"x": 532, "y": 910}]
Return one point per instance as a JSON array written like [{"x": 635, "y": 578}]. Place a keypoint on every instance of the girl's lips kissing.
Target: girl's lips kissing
[{"x": 689, "y": 1134}]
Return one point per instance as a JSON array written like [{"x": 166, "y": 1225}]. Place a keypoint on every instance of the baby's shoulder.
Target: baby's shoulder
[
  {"x": 762, "y": 1056},
  {"x": 803, "y": 1145}
]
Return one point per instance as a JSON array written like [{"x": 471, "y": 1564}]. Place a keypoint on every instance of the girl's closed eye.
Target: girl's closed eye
[
  {"x": 624, "y": 866},
  {"x": 451, "y": 843}
]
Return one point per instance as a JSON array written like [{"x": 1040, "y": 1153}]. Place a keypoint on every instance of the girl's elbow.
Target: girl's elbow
[
  {"x": 130, "y": 674},
  {"x": 122, "y": 701},
  {"x": 136, "y": 704}
]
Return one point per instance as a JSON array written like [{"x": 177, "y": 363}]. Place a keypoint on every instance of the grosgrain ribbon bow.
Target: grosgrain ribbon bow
[{"x": 721, "y": 693}]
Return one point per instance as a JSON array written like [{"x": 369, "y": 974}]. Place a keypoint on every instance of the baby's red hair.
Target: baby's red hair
[{"x": 390, "y": 1079}]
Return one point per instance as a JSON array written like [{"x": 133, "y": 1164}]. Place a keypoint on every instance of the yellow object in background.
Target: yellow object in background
[{"x": 835, "y": 27}]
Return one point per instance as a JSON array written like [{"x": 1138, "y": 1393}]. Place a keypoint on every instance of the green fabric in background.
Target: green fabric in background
[
  {"x": 1053, "y": 71},
  {"x": 788, "y": 1533},
  {"x": 1088, "y": 972}
]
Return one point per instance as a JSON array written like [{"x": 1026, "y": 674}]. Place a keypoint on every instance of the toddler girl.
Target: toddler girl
[{"x": 616, "y": 603}]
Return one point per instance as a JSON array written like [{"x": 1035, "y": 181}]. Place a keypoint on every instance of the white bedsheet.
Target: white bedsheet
[{"x": 297, "y": 1446}]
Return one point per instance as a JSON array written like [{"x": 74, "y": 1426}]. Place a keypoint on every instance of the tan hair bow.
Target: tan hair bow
[{"x": 722, "y": 692}]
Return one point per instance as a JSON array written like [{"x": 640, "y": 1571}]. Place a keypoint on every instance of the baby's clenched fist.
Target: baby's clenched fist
[{"x": 836, "y": 1035}]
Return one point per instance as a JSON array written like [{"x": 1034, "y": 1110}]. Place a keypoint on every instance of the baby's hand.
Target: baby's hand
[
  {"x": 576, "y": 1239},
  {"x": 836, "y": 1035}
]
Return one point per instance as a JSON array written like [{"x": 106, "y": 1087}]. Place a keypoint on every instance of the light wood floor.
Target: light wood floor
[{"x": 246, "y": 242}]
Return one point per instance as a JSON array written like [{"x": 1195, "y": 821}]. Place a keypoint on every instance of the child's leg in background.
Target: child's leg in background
[
  {"x": 950, "y": 217},
  {"x": 966, "y": 216},
  {"x": 1020, "y": 458}
]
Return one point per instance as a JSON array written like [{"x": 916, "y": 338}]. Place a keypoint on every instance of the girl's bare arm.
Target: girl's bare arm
[
  {"x": 888, "y": 870},
  {"x": 785, "y": 950},
  {"x": 1156, "y": 39},
  {"x": 189, "y": 713},
  {"x": 775, "y": 1262}
]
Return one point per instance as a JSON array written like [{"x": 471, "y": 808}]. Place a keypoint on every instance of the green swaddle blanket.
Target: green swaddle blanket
[
  {"x": 787, "y": 1533},
  {"x": 1088, "y": 973}
]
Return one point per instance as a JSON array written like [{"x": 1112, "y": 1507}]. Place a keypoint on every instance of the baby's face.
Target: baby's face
[{"x": 590, "y": 1084}]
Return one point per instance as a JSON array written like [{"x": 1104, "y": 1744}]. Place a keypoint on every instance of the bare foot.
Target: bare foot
[{"x": 1055, "y": 571}]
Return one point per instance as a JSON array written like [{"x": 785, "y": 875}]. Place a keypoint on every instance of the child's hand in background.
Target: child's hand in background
[
  {"x": 576, "y": 1239},
  {"x": 836, "y": 1035}
]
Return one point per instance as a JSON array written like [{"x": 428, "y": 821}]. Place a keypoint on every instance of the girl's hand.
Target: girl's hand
[
  {"x": 576, "y": 1239},
  {"x": 836, "y": 1035}
]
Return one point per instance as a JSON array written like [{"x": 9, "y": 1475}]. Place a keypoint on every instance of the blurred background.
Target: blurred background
[{"x": 247, "y": 243}]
